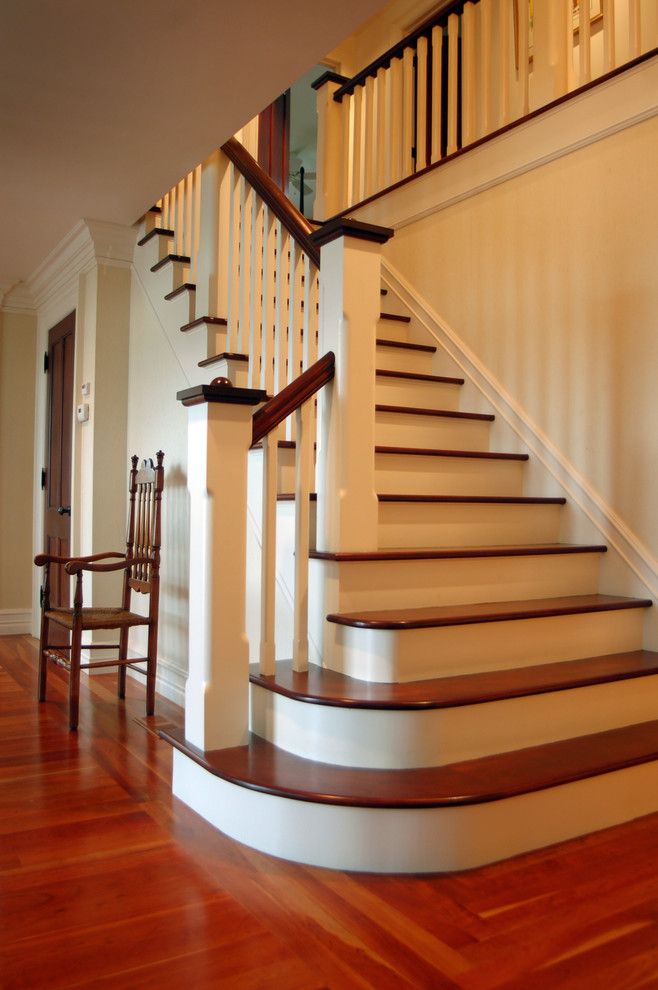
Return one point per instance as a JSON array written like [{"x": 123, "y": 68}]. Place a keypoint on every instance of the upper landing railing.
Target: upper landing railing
[{"x": 465, "y": 73}]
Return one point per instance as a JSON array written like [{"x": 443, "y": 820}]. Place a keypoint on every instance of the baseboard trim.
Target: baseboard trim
[
  {"x": 15, "y": 622},
  {"x": 575, "y": 486}
]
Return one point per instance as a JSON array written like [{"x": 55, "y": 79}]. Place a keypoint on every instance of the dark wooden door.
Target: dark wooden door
[
  {"x": 273, "y": 128},
  {"x": 59, "y": 438}
]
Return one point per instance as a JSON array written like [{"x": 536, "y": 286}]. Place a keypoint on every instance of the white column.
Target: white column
[
  {"x": 331, "y": 166},
  {"x": 217, "y": 688},
  {"x": 350, "y": 304},
  {"x": 551, "y": 29}
]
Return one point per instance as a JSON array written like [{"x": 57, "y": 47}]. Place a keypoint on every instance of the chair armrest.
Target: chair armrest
[
  {"x": 49, "y": 558},
  {"x": 77, "y": 564}
]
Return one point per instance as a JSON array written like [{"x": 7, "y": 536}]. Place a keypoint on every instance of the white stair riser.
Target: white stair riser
[
  {"x": 181, "y": 311},
  {"x": 393, "y": 330},
  {"x": 385, "y": 739},
  {"x": 167, "y": 278},
  {"x": 463, "y": 524},
  {"x": 415, "y": 474},
  {"x": 401, "y": 359},
  {"x": 417, "y": 654},
  {"x": 357, "y": 586},
  {"x": 149, "y": 254},
  {"x": 419, "y": 394},
  {"x": 395, "y": 429},
  {"x": 427, "y": 840}
]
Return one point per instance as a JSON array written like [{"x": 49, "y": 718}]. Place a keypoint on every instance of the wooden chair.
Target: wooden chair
[{"x": 141, "y": 566}]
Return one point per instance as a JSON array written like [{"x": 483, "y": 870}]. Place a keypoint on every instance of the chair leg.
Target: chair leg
[
  {"x": 123, "y": 654},
  {"x": 152, "y": 657},
  {"x": 74, "y": 676},
  {"x": 43, "y": 659}
]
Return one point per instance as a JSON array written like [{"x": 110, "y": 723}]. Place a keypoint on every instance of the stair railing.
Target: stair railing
[
  {"x": 180, "y": 212},
  {"x": 469, "y": 70}
]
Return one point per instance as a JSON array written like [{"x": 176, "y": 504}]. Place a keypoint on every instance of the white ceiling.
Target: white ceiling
[{"x": 104, "y": 105}]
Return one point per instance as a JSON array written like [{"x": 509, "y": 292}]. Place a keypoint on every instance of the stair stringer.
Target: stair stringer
[{"x": 629, "y": 567}]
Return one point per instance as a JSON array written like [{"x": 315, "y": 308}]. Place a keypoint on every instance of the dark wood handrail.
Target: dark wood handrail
[
  {"x": 438, "y": 19},
  {"x": 292, "y": 397},
  {"x": 295, "y": 222}
]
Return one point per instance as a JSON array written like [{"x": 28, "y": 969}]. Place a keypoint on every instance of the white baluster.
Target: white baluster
[
  {"x": 453, "y": 56},
  {"x": 397, "y": 87},
  {"x": 295, "y": 294},
  {"x": 437, "y": 87},
  {"x": 421, "y": 103},
  {"x": 242, "y": 298},
  {"x": 469, "y": 40},
  {"x": 233, "y": 274},
  {"x": 196, "y": 225},
  {"x": 267, "y": 315},
  {"x": 180, "y": 218},
  {"x": 357, "y": 157},
  {"x": 608, "y": 10},
  {"x": 369, "y": 145},
  {"x": 634, "y": 29},
  {"x": 524, "y": 52},
  {"x": 306, "y": 332},
  {"x": 348, "y": 145},
  {"x": 506, "y": 19},
  {"x": 268, "y": 555},
  {"x": 407, "y": 112},
  {"x": 584, "y": 42},
  {"x": 303, "y": 474},
  {"x": 383, "y": 131},
  {"x": 256, "y": 266},
  {"x": 189, "y": 219},
  {"x": 486, "y": 49}
]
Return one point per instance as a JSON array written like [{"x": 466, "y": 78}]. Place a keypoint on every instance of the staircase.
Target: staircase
[{"x": 478, "y": 697}]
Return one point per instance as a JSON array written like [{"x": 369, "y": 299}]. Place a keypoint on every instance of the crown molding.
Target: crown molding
[
  {"x": 88, "y": 243},
  {"x": 17, "y": 299}
]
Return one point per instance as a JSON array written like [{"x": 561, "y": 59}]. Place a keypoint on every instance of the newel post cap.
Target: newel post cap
[
  {"x": 344, "y": 227},
  {"x": 226, "y": 393}
]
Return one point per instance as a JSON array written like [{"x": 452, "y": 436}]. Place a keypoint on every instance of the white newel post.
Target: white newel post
[
  {"x": 217, "y": 688},
  {"x": 331, "y": 164},
  {"x": 350, "y": 304}
]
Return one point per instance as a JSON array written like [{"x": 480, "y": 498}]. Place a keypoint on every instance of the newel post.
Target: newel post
[
  {"x": 331, "y": 160},
  {"x": 213, "y": 237},
  {"x": 217, "y": 688},
  {"x": 350, "y": 304}
]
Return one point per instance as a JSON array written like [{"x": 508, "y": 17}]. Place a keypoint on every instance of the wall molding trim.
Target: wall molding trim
[
  {"x": 15, "y": 622},
  {"x": 17, "y": 298},
  {"x": 577, "y": 488},
  {"x": 88, "y": 243},
  {"x": 624, "y": 101}
]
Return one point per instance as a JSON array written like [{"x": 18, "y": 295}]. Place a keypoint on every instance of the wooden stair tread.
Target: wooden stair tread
[
  {"x": 263, "y": 767},
  {"x": 403, "y": 345},
  {"x": 328, "y": 687},
  {"x": 440, "y": 452},
  {"x": 447, "y": 413},
  {"x": 201, "y": 320},
  {"x": 185, "y": 287},
  {"x": 395, "y": 317},
  {"x": 224, "y": 356},
  {"x": 459, "y": 615},
  {"x": 477, "y": 499},
  {"x": 417, "y": 377},
  {"x": 449, "y": 553},
  {"x": 156, "y": 232},
  {"x": 170, "y": 259}
]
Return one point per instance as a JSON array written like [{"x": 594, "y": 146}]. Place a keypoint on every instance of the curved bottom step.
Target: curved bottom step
[{"x": 420, "y": 821}]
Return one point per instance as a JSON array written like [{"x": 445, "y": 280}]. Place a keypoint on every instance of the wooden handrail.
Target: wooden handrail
[
  {"x": 295, "y": 222},
  {"x": 292, "y": 397},
  {"x": 439, "y": 17}
]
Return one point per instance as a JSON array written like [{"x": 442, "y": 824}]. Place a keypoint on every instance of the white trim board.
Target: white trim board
[
  {"x": 15, "y": 621},
  {"x": 575, "y": 486},
  {"x": 599, "y": 112}
]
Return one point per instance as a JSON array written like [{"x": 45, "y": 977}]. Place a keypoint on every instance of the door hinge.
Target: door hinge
[
  {"x": 46, "y": 362},
  {"x": 43, "y": 478}
]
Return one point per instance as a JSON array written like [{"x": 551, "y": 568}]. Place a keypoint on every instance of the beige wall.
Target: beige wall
[
  {"x": 17, "y": 358},
  {"x": 156, "y": 420},
  {"x": 550, "y": 278}
]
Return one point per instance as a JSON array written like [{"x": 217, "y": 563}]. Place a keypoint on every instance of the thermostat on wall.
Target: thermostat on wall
[{"x": 82, "y": 412}]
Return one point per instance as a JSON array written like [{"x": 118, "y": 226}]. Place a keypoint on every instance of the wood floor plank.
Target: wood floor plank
[{"x": 111, "y": 882}]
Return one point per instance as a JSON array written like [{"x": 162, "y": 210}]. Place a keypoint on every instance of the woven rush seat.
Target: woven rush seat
[{"x": 98, "y": 618}]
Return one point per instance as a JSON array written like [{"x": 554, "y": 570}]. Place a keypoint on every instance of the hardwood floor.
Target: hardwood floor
[{"x": 109, "y": 882}]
